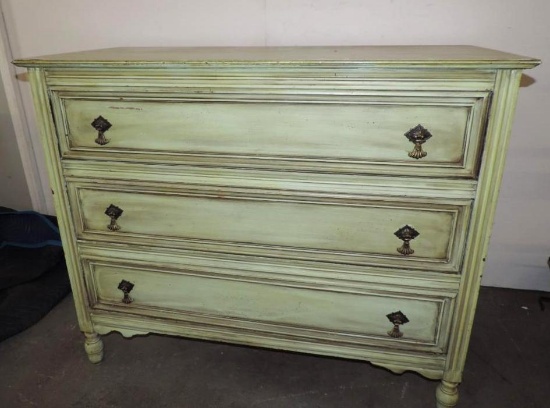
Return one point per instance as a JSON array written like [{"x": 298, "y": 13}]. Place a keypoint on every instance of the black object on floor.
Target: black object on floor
[
  {"x": 544, "y": 299},
  {"x": 33, "y": 275}
]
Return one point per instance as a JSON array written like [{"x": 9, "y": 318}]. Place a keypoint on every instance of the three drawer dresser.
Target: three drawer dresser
[{"x": 335, "y": 201}]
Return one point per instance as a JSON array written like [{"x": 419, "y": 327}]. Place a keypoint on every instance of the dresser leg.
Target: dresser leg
[
  {"x": 94, "y": 347},
  {"x": 446, "y": 394}
]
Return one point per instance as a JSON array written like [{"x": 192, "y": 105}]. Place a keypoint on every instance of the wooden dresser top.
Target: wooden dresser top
[{"x": 376, "y": 56}]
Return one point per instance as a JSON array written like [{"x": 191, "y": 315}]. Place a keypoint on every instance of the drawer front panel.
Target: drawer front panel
[
  {"x": 337, "y": 135},
  {"x": 352, "y": 231},
  {"x": 352, "y": 316}
]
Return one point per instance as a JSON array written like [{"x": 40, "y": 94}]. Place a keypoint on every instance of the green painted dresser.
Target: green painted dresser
[{"x": 335, "y": 201}]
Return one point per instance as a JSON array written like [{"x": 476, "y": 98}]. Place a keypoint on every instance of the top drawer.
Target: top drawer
[{"x": 335, "y": 133}]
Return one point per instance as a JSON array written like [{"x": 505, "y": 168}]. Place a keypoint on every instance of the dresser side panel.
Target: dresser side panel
[
  {"x": 61, "y": 201},
  {"x": 493, "y": 160}
]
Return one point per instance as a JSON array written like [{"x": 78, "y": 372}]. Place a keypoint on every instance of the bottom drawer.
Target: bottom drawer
[{"x": 282, "y": 308}]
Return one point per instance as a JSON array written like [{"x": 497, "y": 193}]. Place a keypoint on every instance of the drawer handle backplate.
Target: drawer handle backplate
[
  {"x": 113, "y": 212},
  {"x": 101, "y": 125},
  {"x": 126, "y": 287},
  {"x": 397, "y": 319},
  {"x": 418, "y": 135},
  {"x": 406, "y": 233}
]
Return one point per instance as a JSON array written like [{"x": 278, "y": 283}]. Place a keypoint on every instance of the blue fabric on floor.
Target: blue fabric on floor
[{"x": 28, "y": 229}]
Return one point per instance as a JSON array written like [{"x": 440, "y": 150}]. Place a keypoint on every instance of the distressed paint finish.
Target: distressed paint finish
[
  {"x": 299, "y": 129},
  {"x": 333, "y": 313},
  {"x": 336, "y": 229},
  {"x": 274, "y": 125},
  {"x": 352, "y": 56},
  {"x": 261, "y": 188}
]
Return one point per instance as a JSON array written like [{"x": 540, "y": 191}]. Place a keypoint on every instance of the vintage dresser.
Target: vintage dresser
[{"x": 335, "y": 201}]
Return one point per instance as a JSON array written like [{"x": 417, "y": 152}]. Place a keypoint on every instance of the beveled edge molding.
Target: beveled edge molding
[
  {"x": 408, "y": 287},
  {"x": 271, "y": 328},
  {"x": 450, "y": 263},
  {"x": 442, "y": 298},
  {"x": 428, "y": 282},
  {"x": 424, "y": 363},
  {"x": 483, "y": 212},
  {"x": 172, "y": 176},
  {"x": 280, "y": 182},
  {"x": 296, "y": 83},
  {"x": 385, "y": 64},
  {"x": 476, "y": 101},
  {"x": 46, "y": 127}
]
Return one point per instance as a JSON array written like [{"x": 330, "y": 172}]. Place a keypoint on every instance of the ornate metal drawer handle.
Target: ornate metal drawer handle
[
  {"x": 101, "y": 125},
  {"x": 126, "y": 287},
  {"x": 406, "y": 233},
  {"x": 418, "y": 135},
  {"x": 113, "y": 212},
  {"x": 397, "y": 319}
]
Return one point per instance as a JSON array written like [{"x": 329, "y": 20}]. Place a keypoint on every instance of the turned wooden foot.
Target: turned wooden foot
[
  {"x": 94, "y": 347},
  {"x": 446, "y": 394}
]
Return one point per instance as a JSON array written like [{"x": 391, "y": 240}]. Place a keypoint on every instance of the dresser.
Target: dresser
[{"x": 335, "y": 201}]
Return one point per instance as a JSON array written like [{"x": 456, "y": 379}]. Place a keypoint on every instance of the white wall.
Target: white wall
[
  {"x": 519, "y": 247},
  {"x": 14, "y": 192}
]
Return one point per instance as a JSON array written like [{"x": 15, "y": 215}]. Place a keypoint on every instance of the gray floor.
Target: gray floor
[{"x": 45, "y": 366}]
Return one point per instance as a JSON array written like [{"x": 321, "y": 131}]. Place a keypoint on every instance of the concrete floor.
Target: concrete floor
[{"x": 45, "y": 366}]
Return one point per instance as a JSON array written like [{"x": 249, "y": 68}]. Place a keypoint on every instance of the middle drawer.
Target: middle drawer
[{"x": 426, "y": 234}]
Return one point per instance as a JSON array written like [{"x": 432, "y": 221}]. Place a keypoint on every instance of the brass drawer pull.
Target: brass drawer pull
[
  {"x": 406, "y": 233},
  {"x": 113, "y": 212},
  {"x": 397, "y": 319},
  {"x": 101, "y": 125},
  {"x": 418, "y": 135},
  {"x": 126, "y": 287}
]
